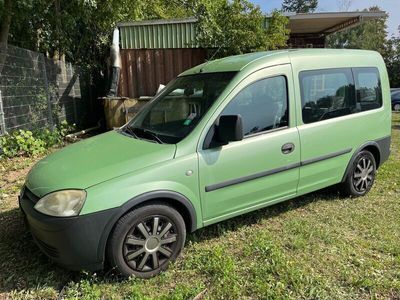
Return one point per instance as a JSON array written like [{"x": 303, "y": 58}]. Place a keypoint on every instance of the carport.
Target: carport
[{"x": 310, "y": 30}]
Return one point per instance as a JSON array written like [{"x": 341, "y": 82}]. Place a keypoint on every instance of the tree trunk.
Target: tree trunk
[
  {"x": 4, "y": 30},
  {"x": 57, "y": 50},
  {"x": 5, "y": 22}
]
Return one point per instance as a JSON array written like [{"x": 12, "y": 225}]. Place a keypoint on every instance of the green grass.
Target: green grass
[{"x": 315, "y": 246}]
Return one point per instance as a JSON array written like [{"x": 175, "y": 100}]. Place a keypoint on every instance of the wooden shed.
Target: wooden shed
[{"x": 154, "y": 52}]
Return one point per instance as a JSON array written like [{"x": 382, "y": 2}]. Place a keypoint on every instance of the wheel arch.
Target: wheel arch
[
  {"x": 371, "y": 146},
  {"x": 174, "y": 199}
]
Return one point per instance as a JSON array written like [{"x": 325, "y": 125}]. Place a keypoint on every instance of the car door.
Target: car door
[
  {"x": 339, "y": 110},
  {"x": 264, "y": 166}
]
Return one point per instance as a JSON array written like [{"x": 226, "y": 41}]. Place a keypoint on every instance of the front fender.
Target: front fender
[{"x": 167, "y": 180}]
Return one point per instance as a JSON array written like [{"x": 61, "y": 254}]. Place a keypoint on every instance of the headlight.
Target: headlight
[{"x": 65, "y": 203}]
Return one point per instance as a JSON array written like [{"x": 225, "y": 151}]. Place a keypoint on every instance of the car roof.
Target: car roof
[{"x": 268, "y": 58}]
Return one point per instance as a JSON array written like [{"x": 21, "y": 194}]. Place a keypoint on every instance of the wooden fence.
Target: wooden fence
[{"x": 143, "y": 70}]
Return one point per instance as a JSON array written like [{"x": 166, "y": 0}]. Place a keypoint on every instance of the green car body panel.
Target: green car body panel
[{"x": 114, "y": 168}]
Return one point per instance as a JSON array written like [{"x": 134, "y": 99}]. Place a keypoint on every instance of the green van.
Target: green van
[{"x": 225, "y": 138}]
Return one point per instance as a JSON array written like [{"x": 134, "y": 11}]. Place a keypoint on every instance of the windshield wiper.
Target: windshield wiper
[
  {"x": 147, "y": 132},
  {"x": 131, "y": 132}
]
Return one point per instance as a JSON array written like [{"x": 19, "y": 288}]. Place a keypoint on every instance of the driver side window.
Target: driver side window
[{"x": 263, "y": 105}]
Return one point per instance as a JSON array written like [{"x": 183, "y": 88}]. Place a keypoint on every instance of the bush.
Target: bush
[{"x": 25, "y": 142}]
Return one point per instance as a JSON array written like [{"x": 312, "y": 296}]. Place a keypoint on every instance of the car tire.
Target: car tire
[
  {"x": 361, "y": 175},
  {"x": 146, "y": 240}
]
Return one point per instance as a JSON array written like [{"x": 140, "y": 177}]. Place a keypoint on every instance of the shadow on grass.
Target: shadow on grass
[
  {"x": 24, "y": 267},
  {"x": 233, "y": 224}
]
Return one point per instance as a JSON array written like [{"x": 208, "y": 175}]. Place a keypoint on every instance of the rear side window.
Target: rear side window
[
  {"x": 263, "y": 105},
  {"x": 326, "y": 94},
  {"x": 332, "y": 93},
  {"x": 368, "y": 85}
]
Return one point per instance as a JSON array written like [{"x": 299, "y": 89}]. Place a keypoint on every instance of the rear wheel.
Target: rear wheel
[
  {"x": 146, "y": 239},
  {"x": 361, "y": 176}
]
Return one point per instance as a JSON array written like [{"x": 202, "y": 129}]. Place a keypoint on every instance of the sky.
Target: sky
[{"x": 392, "y": 7}]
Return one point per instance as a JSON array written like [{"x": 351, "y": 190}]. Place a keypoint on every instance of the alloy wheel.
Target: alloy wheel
[
  {"x": 150, "y": 243},
  {"x": 363, "y": 175},
  {"x": 396, "y": 107}
]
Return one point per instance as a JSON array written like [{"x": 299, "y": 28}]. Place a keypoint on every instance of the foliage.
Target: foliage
[
  {"x": 237, "y": 27},
  {"x": 21, "y": 142},
  {"x": 392, "y": 58},
  {"x": 372, "y": 35},
  {"x": 300, "y": 6},
  {"x": 80, "y": 30},
  {"x": 277, "y": 32},
  {"x": 28, "y": 143}
]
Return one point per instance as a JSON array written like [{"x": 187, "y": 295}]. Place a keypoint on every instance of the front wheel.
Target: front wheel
[
  {"x": 146, "y": 239},
  {"x": 396, "y": 107},
  {"x": 361, "y": 176}
]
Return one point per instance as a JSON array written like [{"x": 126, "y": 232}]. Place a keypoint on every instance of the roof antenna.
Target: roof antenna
[{"x": 212, "y": 56}]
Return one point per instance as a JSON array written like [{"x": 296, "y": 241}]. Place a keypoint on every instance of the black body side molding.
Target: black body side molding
[
  {"x": 324, "y": 157},
  {"x": 223, "y": 184}
]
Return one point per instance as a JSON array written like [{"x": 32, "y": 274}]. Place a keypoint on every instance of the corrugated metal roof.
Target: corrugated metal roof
[
  {"x": 181, "y": 33},
  {"x": 158, "y": 34}
]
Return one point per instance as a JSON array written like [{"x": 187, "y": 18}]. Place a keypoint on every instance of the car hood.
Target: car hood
[{"x": 93, "y": 161}]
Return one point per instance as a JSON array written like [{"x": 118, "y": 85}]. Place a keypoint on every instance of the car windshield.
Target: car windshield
[{"x": 173, "y": 114}]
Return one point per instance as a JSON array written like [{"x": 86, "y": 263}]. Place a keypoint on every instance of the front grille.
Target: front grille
[
  {"x": 46, "y": 248},
  {"x": 29, "y": 195}
]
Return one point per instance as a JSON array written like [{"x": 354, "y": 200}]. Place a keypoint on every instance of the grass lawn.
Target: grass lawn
[{"x": 315, "y": 246}]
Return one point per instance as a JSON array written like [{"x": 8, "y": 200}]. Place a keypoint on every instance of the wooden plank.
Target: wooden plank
[
  {"x": 135, "y": 86},
  {"x": 140, "y": 61},
  {"x": 160, "y": 67},
  {"x": 129, "y": 73}
]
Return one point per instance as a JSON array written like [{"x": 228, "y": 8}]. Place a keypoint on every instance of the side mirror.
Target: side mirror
[{"x": 229, "y": 129}]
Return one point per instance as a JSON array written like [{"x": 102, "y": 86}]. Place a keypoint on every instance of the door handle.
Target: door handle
[{"x": 287, "y": 148}]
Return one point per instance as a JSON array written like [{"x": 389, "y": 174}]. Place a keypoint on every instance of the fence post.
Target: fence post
[
  {"x": 49, "y": 104},
  {"x": 2, "y": 120},
  {"x": 71, "y": 75}
]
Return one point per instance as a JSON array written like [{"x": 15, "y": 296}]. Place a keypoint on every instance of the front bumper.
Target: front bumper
[{"x": 77, "y": 243}]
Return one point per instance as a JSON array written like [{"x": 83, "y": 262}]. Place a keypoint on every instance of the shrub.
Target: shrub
[{"x": 31, "y": 143}]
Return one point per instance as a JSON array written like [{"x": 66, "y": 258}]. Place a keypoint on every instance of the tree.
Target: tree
[
  {"x": 344, "y": 5},
  {"x": 392, "y": 59},
  {"x": 6, "y": 15},
  {"x": 237, "y": 27},
  {"x": 5, "y": 22},
  {"x": 300, "y": 6},
  {"x": 80, "y": 30}
]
